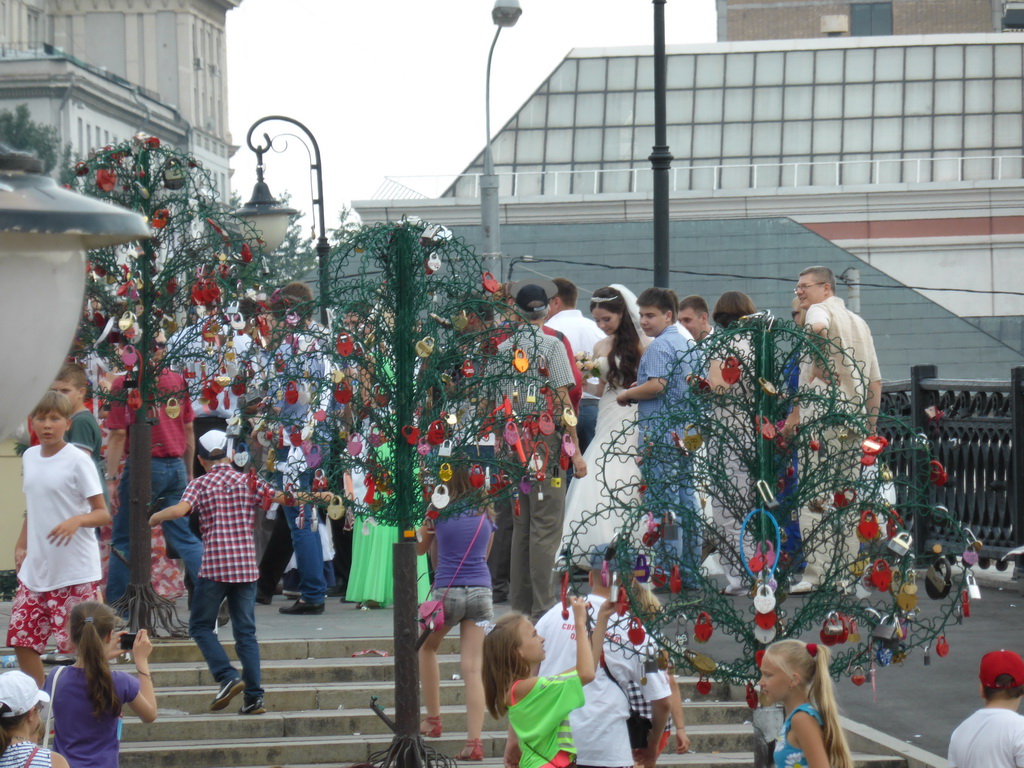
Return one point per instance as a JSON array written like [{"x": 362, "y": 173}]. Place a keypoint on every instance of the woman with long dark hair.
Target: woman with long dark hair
[{"x": 612, "y": 451}]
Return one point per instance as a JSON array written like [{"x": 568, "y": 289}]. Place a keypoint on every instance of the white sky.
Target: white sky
[{"x": 396, "y": 87}]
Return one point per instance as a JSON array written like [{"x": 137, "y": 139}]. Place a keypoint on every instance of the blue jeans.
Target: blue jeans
[
  {"x": 206, "y": 600},
  {"x": 674, "y": 493},
  {"x": 169, "y": 481},
  {"x": 309, "y": 554}
]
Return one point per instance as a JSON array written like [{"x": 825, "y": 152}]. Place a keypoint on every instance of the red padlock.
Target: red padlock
[
  {"x": 411, "y": 434},
  {"x": 371, "y": 490},
  {"x": 380, "y": 395},
  {"x": 759, "y": 656},
  {"x": 731, "y": 370},
  {"x": 815, "y": 445},
  {"x": 842, "y": 499},
  {"x": 435, "y": 432},
  {"x": 867, "y": 529},
  {"x": 468, "y": 369},
  {"x": 343, "y": 393},
  {"x": 546, "y": 424},
  {"x": 134, "y": 400},
  {"x": 636, "y": 633},
  {"x": 491, "y": 285},
  {"x": 937, "y": 473},
  {"x": 752, "y": 698},
  {"x": 703, "y": 685},
  {"x": 766, "y": 620},
  {"x": 881, "y": 576},
  {"x": 858, "y": 677},
  {"x": 702, "y": 628},
  {"x": 941, "y": 647},
  {"x": 476, "y": 476},
  {"x": 965, "y": 604},
  {"x": 291, "y": 393},
  {"x": 623, "y": 607},
  {"x": 675, "y": 581},
  {"x": 345, "y": 346}
]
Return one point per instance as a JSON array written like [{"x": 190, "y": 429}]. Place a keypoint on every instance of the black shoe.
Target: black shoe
[
  {"x": 252, "y": 706},
  {"x": 227, "y": 692},
  {"x": 263, "y": 598},
  {"x": 299, "y": 607}
]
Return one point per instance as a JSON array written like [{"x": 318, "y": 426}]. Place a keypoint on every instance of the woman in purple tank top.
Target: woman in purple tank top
[{"x": 463, "y": 582}]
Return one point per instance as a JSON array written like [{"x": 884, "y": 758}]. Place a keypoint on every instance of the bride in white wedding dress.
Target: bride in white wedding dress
[{"x": 611, "y": 455}]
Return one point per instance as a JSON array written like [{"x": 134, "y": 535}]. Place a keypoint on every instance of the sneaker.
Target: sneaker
[
  {"x": 252, "y": 706},
  {"x": 227, "y": 692},
  {"x": 802, "y": 588}
]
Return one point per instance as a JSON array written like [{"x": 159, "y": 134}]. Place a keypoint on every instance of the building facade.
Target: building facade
[
  {"x": 902, "y": 157},
  {"x": 774, "y": 20},
  {"x": 101, "y": 72}
]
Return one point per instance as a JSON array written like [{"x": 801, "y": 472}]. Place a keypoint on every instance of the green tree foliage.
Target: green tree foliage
[{"x": 19, "y": 131}]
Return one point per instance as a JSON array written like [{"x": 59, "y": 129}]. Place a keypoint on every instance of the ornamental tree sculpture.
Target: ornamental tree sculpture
[
  {"x": 870, "y": 488},
  {"x": 198, "y": 260},
  {"x": 409, "y": 395}
]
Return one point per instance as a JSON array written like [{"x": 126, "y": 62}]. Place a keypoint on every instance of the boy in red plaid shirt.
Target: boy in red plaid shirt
[{"x": 226, "y": 501}]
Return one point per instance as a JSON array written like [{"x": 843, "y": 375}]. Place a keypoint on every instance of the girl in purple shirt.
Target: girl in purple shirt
[{"x": 463, "y": 581}]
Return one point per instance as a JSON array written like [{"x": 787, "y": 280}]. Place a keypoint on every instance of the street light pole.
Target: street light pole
[
  {"x": 505, "y": 14},
  {"x": 323, "y": 248},
  {"x": 660, "y": 157}
]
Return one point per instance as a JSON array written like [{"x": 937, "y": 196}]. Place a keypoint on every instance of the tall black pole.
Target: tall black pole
[{"x": 661, "y": 158}]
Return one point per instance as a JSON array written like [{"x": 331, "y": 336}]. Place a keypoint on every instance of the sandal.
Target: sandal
[
  {"x": 431, "y": 726},
  {"x": 474, "y": 750}
]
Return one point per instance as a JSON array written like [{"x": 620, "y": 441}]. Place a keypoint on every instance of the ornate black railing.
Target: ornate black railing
[{"x": 976, "y": 430}]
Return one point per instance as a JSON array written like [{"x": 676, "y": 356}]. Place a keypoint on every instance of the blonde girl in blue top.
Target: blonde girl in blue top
[{"x": 796, "y": 675}]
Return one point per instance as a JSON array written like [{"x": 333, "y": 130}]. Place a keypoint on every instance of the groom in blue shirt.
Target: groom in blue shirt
[{"x": 661, "y": 384}]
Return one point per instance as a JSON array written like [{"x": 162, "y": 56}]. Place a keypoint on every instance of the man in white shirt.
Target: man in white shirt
[
  {"x": 693, "y": 316},
  {"x": 855, "y": 373},
  {"x": 993, "y": 737},
  {"x": 599, "y": 727},
  {"x": 583, "y": 334}
]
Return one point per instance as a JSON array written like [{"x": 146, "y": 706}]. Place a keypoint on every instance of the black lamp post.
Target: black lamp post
[
  {"x": 267, "y": 215},
  {"x": 661, "y": 158}
]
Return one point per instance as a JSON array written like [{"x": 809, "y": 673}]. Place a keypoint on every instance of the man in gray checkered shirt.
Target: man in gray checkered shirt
[{"x": 537, "y": 529}]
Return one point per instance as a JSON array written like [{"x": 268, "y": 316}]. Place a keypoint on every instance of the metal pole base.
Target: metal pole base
[
  {"x": 411, "y": 752},
  {"x": 147, "y": 610}
]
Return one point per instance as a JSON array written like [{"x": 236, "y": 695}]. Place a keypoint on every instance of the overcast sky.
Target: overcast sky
[{"x": 396, "y": 87}]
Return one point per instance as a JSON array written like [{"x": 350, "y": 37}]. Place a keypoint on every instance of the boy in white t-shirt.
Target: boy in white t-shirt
[
  {"x": 58, "y": 563},
  {"x": 993, "y": 737}
]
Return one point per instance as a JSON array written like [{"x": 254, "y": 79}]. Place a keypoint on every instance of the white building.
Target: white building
[{"x": 101, "y": 72}]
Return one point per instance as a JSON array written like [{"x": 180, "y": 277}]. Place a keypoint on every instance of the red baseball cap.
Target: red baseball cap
[{"x": 998, "y": 663}]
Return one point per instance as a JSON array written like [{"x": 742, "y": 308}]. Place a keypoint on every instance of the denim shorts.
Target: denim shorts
[{"x": 466, "y": 604}]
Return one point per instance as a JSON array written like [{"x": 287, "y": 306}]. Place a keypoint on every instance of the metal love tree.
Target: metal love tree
[
  {"x": 198, "y": 260},
  {"x": 403, "y": 399},
  {"x": 861, "y": 495}
]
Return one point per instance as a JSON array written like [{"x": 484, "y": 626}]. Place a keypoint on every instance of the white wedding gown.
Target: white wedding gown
[{"x": 595, "y": 504}]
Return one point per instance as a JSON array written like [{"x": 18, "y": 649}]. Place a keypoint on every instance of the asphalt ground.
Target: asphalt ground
[{"x": 914, "y": 703}]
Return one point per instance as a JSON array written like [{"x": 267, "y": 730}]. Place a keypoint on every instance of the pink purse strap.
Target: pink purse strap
[{"x": 465, "y": 555}]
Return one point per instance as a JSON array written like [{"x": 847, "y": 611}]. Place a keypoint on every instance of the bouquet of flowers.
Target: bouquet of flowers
[{"x": 587, "y": 365}]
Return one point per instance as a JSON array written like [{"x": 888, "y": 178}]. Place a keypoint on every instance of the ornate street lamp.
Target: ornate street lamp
[
  {"x": 270, "y": 217},
  {"x": 505, "y": 14},
  {"x": 44, "y": 233}
]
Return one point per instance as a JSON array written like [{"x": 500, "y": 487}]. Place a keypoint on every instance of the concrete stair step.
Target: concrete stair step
[
  {"x": 195, "y": 699},
  {"x": 710, "y": 746},
  {"x": 289, "y": 722},
  {"x": 171, "y": 651},
  {"x": 294, "y": 671}
]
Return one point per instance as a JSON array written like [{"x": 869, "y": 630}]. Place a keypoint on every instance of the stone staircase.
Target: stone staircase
[{"x": 318, "y": 700}]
